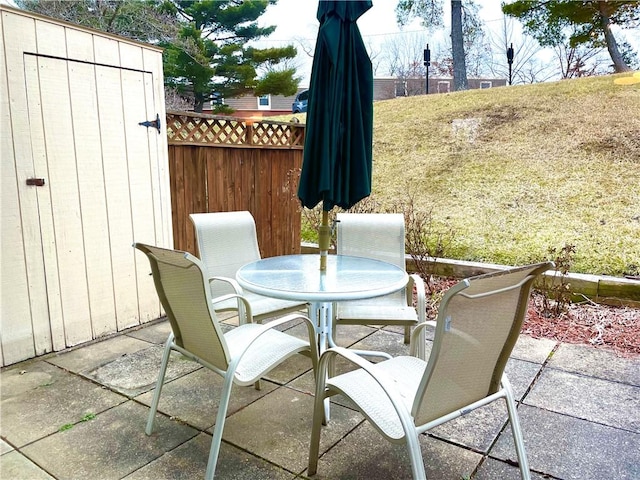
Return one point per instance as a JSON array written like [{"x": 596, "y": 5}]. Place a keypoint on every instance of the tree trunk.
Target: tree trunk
[
  {"x": 618, "y": 62},
  {"x": 457, "y": 43},
  {"x": 198, "y": 103}
]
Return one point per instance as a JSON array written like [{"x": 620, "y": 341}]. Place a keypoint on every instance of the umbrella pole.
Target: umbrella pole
[{"x": 324, "y": 239}]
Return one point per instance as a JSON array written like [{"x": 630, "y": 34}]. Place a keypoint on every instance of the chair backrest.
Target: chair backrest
[
  {"x": 226, "y": 241},
  {"x": 372, "y": 235},
  {"x": 182, "y": 288},
  {"x": 478, "y": 323}
]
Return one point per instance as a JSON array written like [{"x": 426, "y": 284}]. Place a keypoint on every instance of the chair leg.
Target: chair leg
[
  {"x": 158, "y": 390},
  {"x": 314, "y": 448},
  {"x": 415, "y": 454},
  {"x": 225, "y": 394},
  {"x": 319, "y": 417},
  {"x": 516, "y": 430}
]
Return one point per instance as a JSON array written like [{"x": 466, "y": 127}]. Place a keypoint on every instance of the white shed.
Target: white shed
[{"x": 81, "y": 180}]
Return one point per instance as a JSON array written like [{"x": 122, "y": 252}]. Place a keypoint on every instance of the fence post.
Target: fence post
[{"x": 249, "y": 126}]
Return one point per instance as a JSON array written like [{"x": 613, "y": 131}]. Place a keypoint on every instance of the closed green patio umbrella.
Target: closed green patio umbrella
[{"x": 336, "y": 169}]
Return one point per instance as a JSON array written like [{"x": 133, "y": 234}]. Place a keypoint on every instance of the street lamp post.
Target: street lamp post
[
  {"x": 510, "y": 60},
  {"x": 427, "y": 62}
]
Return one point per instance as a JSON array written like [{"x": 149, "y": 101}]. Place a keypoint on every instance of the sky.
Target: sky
[{"x": 296, "y": 20}]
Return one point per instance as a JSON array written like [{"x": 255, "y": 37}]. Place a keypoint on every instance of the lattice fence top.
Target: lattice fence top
[{"x": 188, "y": 128}]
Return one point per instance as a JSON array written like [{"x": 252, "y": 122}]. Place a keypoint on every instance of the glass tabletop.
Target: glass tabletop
[{"x": 298, "y": 277}]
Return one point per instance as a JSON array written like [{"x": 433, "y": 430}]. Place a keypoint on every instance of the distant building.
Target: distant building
[
  {"x": 386, "y": 88},
  {"x": 250, "y": 105}
]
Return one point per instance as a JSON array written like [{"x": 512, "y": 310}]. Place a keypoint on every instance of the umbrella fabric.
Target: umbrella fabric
[{"x": 336, "y": 168}]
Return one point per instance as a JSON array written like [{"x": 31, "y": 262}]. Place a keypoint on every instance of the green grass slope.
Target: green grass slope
[{"x": 514, "y": 171}]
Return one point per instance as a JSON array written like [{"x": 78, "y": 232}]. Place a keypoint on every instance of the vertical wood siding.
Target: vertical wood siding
[{"x": 71, "y": 100}]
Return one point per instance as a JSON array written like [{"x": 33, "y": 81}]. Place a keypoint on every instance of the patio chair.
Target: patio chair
[
  {"x": 379, "y": 236},
  {"x": 241, "y": 356},
  {"x": 478, "y": 323},
  {"x": 227, "y": 241}
]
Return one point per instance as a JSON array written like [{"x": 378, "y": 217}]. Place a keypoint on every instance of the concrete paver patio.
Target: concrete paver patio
[{"x": 80, "y": 414}]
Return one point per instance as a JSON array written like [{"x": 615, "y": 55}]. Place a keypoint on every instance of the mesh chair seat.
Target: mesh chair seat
[
  {"x": 383, "y": 313},
  {"x": 402, "y": 374},
  {"x": 261, "y": 306},
  {"x": 267, "y": 351}
]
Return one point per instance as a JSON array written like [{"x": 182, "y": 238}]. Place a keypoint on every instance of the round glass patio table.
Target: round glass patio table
[{"x": 298, "y": 277}]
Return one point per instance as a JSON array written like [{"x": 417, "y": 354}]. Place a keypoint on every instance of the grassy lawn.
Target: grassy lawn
[{"x": 515, "y": 171}]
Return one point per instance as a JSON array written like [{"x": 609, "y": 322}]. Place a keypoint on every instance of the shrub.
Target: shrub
[{"x": 557, "y": 289}]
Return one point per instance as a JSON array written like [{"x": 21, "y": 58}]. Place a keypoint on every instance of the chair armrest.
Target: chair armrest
[
  {"x": 347, "y": 354},
  {"x": 243, "y": 316},
  {"x": 243, "y": 305},
  {"x": 417, "y": 347},
  {"x": 417, "y": 337},
  {"x": 231, "y": 281},
  {"x": 417, "y": 281}
]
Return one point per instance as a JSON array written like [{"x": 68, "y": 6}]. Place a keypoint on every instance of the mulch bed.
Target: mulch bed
[
  {"x": 615, "y": 328},
  {"x": 601, "y": 326}
]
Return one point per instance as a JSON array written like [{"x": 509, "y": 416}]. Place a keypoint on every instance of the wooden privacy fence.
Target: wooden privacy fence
[{"x": 220, "y": 164}]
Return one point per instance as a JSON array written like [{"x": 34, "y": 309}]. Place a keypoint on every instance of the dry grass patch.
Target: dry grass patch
[{"x": 517, "y": 170}]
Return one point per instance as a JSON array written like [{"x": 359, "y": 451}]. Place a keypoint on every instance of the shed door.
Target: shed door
[{"x": 99, "y": 168}]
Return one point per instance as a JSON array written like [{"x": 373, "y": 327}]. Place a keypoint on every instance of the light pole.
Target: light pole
[
  {"x": 427, "y": 62},
  {"x": 510, "y": 60}
]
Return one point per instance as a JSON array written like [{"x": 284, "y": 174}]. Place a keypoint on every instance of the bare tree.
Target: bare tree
[
  {"x": 402, "y": 57},
  {"x": 144, "y": 21},
  {"x": 375, "y": 55},
  {"x": 527, "y": 66},
  {"x": 535, "y": 71},
  {"x": 442, "y": 61},
  {"x": 306, "y": 46},
  {"x": 401, "y": 54},
  {"x": 175, "y": 101},
  {"x": 580, "y": 61}
]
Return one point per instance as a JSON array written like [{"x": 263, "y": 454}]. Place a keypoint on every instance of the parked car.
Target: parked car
[{"x": 300, "y": 103}]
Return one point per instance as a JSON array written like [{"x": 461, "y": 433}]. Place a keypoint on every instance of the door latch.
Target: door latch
[
  {"x": 152, "y": 123},
  {"x": 35, "y": 182}
]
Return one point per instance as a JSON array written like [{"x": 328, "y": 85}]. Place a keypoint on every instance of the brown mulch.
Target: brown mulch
[
  {"x": 601, "y": 326},
  {"x": 614, "y": 328}
]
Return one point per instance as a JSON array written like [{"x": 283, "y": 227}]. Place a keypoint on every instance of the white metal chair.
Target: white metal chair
[
  {"x": 379, "y": 236},
  {"x": 242, "y": 355},
  {"x": 227, "y": 241},
  {"x": 478, "y": 323}
]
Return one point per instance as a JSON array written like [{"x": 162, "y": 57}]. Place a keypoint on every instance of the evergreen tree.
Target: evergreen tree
[{"x": 211, "y": 56}]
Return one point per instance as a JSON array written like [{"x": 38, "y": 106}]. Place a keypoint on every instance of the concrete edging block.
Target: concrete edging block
[{"x": 602, "y": 289}]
